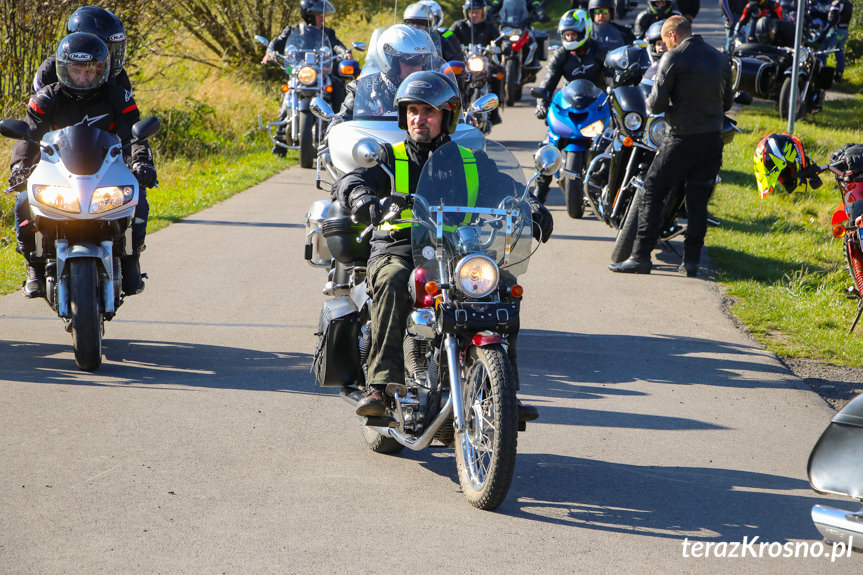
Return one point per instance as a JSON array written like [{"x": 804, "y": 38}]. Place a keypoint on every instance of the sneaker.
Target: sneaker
[
  {"x": 373, "y": 404},
  {"x": 34, "y": 285}
]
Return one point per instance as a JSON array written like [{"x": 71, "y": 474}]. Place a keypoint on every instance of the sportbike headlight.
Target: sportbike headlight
[
  {"x": 593, "y": 130},
  {"x": 657, "y": 131},
  {"x": 105, "y": 199},
  {"x": 476, "y": 65},
  {"x": 307, "y": 75},
  {"x": 632, "y": 121},
  {"x": 476, "y": 275},
  {"x": 58, "y": 197}
]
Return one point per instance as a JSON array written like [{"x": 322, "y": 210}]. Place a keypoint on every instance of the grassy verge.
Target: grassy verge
[{"x": 776, "y": 256}]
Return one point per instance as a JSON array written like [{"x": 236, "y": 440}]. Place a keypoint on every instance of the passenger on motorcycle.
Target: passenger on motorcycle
[
  {"x": 655, "y": 49},
  {"x": 95, "y": 20},
  {"x": 656, "y": 10},
  {"x": 752, "y": 12},
  {"x": 580, "y": 57},
  {"x": 400, "y": 51},
  {"x": 82, "y": 95},
  {"x": 475, "y": 29},
  {"x": 604, "y": 30},
  {"x": 312, "y": 13},
  {"x": 420, "y": 16},
  {"x": 429, "y": 107}
]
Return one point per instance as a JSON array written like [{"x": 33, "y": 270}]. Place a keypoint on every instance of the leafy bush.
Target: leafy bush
[{"x": 190, "y": 131}]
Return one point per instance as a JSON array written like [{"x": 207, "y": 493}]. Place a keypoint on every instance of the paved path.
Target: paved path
[{"x": 202, "y": 445}]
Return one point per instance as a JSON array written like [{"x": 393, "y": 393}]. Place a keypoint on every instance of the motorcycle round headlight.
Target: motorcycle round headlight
[
  {"x": 656, "y": 131},
  {"x": 593, "y": 130},
  {"x": 632, "y": 121},
  {"x": 307, "y": 75},
  {"x": 476, "y": 275},
  {"x": 476, "y": 65},
  {"x": 58, "y": 197}
]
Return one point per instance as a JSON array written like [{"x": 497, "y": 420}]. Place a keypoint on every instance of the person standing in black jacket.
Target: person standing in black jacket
[
  {"x": 693, "y": 88},
  {"x": 82, "y": 96},
  {"x": 836, "y": 35}
]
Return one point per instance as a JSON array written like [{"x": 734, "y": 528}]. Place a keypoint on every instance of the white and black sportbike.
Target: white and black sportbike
[{"x": 82, "y": 202}]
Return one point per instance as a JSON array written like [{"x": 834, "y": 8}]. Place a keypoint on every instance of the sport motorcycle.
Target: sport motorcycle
[{"x": 82, "y": 202}]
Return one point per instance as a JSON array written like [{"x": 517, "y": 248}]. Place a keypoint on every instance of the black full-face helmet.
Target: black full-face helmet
[
  {"x": 661, "y": 11},
  {"x": 311, "y": 8},
  {"x": 83, "y": 64},
  {"x": 435, "y": 89},
  {"x": 104, "y": 24}
]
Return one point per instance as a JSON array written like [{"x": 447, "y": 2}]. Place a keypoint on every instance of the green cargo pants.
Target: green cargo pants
[{"x": 391, "y": 306}]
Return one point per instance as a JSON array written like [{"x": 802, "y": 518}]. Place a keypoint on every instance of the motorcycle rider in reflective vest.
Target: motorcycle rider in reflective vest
[{"x": 429, "y": 108}]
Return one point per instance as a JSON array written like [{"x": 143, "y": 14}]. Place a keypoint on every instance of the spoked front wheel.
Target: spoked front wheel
[{"x": 485, "y": 452}]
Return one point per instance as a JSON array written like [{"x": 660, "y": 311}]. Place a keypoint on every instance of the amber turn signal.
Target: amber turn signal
[
  {"x": 516, "y": 291},
  {"x": 838, "y": 231},
  {"x": 285, "y": 87},
  {"x": 627, "y": 142},
  {"x": 431, "y": 288},
  {"x": 329, "y": 89}
]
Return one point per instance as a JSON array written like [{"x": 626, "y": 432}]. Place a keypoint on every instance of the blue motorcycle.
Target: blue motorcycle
[{"x": 578, "y": 113}]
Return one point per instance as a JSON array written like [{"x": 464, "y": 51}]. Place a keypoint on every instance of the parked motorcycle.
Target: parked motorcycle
[
  {"x": 308, "y": 60},
  {"x": 459, "y": 385},
  {"x": 577, "y": 115},
  {"x": 480, "y": 61},
  {"x": 836, "y": 466},
  {"x": 527, "y": 48},
  {"x": 82, "y": 201},
  {"x": 624, "y": 150}
]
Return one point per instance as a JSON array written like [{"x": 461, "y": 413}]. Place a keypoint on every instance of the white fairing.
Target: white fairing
[
  {"x": 349, "y": 133},
  {"x": 51, "y": 171}
]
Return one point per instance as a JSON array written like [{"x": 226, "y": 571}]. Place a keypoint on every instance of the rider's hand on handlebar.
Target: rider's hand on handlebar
[
  {"x": 365, "y": 206},
  {"x": 541, "y": 109},
  {"x": 543, "y": 222},
  {"x": 267, "y": 57}
]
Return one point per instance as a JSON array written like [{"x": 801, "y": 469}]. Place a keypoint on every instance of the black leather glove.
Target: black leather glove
[
  {"x": 18, "y": 178},
  {"x": 543, "y": 222},
  {"x": 145, "y": 174},
  {"x": 541, "y": 109},
  {"x": 506, "y": 48},
  {"x": 365, "y": 206}
]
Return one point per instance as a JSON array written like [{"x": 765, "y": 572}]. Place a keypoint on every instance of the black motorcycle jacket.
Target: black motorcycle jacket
[
  {"x": 693, "y": 87},
  {"x": 840, "y": 13},
  {"x": 277, "y": 44},
  {"x": 586, "y": 63},
  {"x": 375, "y": 181},
  {"x": 611, "y": 35},
  {"x": 111, "y": 108},
  {"x": 449, "y": 48},
  {"x": 484, "y": 33},
  {"x": 47, "y": 74}
]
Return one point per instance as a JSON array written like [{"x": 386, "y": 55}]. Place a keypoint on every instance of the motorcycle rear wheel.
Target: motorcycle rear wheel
[
  {"x": 485, "y": 452},
  {"x": 625, "y": 239},
  {"x": 380, "y": 444},
  {"x": 307, "y": 141},
  {"x": 572, "y": 187},
  {"x": 86, "y": 319}
]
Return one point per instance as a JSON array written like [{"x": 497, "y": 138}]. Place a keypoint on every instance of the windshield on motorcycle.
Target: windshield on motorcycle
[
  {"x": 580, "y": 94},
  {"x": 458, "y": 211},
  {"x": 513, "y": 13},
  {"x": 375, "y": 97},
  {"x": 81, "y": 148},
  {"x": 308, "y": 45}
]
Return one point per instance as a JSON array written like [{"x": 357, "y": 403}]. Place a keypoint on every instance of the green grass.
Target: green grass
[{"x": 776, "y": 256}]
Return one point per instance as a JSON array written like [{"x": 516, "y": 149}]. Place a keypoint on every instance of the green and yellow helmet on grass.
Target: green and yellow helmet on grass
[{"x": 778, "y": 159}]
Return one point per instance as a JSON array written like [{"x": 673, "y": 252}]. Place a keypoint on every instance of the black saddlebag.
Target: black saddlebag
[{"x": 337, "y": 357}]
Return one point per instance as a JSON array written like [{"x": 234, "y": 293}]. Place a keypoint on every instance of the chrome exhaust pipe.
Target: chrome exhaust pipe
[
  {"x": 426, "y": 438},
  {"x": 839, "y": 525}
]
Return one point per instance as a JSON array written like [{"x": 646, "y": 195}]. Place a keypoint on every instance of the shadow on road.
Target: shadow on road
[{"x": 133, "y": 363}]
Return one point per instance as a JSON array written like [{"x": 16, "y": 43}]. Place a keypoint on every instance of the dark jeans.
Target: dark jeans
[
  {"x": 695, "y": 160},
  {"x": 27, "y": 236}
]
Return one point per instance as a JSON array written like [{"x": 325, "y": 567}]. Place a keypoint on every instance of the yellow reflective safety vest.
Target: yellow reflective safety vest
[{"x": 402, "y": 183}]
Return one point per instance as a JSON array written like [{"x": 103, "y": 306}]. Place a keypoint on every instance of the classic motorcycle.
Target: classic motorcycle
[
  {"x": 459, "y": 385},
  {"x": 82, "y": 201},
  {"x": 308, "y": 60},
  {"x": 625, "y": 149},
  {"x": 836, "y": 466},
  {"x": 480, "y": 60},
  {"x": 577, "y": 115},
  {"x": 528, "y": 48}
]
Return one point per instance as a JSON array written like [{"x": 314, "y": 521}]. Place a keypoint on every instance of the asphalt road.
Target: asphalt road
[{"x": 203, "y": 446}]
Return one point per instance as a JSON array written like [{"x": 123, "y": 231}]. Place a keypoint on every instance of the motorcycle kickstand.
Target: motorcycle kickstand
[{"x": 857, "y": 318}]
